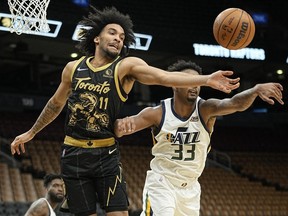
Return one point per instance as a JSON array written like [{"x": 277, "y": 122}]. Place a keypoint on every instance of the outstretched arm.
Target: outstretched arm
[
  {"x": 242, "y": 101},
  {"x": 52, "y": 109},
  {"x": 146, "y": 118},
  {"x": 132, "y": 69}
]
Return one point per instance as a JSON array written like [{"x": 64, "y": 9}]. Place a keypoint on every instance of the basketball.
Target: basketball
[{"x": 234, "y": 29}]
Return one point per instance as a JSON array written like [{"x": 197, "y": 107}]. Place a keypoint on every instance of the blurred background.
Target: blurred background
[{"x": 249, "y": 149}]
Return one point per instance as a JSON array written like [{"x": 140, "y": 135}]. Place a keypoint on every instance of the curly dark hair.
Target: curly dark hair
[
  {"x": 49, "y": 178},
  {"x": 94, "y": 24},
  {"x": 181, "y": 65}
]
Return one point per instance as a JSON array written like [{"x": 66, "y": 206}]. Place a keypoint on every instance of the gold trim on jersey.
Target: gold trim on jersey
[
  {"x": 153, "y": 139},
  {"x": 91, "y": 67},
  {"x": 89, "y": 143},
  {"x": 75, "y": 66},
  {"x": 117, "y": 84},
  {"x": 147, "y": 210},
  {"x": 209, "y": 148}
]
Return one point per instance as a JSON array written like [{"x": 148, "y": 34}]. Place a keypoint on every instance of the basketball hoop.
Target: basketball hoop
[{"x": 28, "y": 16}]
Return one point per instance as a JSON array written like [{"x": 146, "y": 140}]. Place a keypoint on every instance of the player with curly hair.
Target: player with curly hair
[{"x": 96, "y": 87}]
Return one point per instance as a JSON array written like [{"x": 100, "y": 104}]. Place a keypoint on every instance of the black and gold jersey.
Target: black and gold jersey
[{"x": 95, "y": 101}]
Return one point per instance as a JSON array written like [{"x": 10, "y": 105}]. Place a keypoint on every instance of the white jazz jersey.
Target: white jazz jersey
[
  {"x": 52, "y": 213},
  {"x": 181, "y": 146}
]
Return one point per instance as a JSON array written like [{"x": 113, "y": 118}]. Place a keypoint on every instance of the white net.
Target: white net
[{"x": 28, "y": 16}]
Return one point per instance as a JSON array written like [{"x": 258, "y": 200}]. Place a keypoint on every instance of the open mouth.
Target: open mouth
[{"x": 114, "y": 46}]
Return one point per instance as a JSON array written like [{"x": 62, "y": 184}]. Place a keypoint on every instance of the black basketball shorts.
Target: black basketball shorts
[{"x": 93, "y": 175}]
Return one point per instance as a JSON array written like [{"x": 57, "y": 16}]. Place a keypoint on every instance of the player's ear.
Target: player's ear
[{"x": 96, "y": 40}]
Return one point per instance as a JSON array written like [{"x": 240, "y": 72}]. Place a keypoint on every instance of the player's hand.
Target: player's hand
[
  {"x": 19, "y": 142},
  {"x": 219, "y": 80},
  {"x": 267, "y": 91},
  {"x": 124, "y": 126}
]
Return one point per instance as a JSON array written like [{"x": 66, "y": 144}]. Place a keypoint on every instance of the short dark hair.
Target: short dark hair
[
  {"x": 49, "y": 178},
  {"x": 96, "y": 21},
  {"x": 181, "y": 65}
]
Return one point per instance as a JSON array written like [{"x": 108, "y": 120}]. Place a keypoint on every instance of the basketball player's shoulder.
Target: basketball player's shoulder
[
  {"x": 128, "y": 66},
  {"x": 132, "y": 60},
  {"x": 39, "y": 204},
  {"x": 72, "y": 64}
]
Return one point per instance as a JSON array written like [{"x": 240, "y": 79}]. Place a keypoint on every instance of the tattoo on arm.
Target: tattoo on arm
[
  {"x": 39, "y": 209},
  {"x": 245, "y": 99},
  {"x": 49, "y": 113}
]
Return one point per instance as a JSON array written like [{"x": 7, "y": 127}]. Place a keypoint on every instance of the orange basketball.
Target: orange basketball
[{"x": 234, "y": 28}]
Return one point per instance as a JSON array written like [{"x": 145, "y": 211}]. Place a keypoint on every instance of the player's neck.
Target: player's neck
[
  {"x": 182, "y": 109},
  {"x": 100, "y": 61}
]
